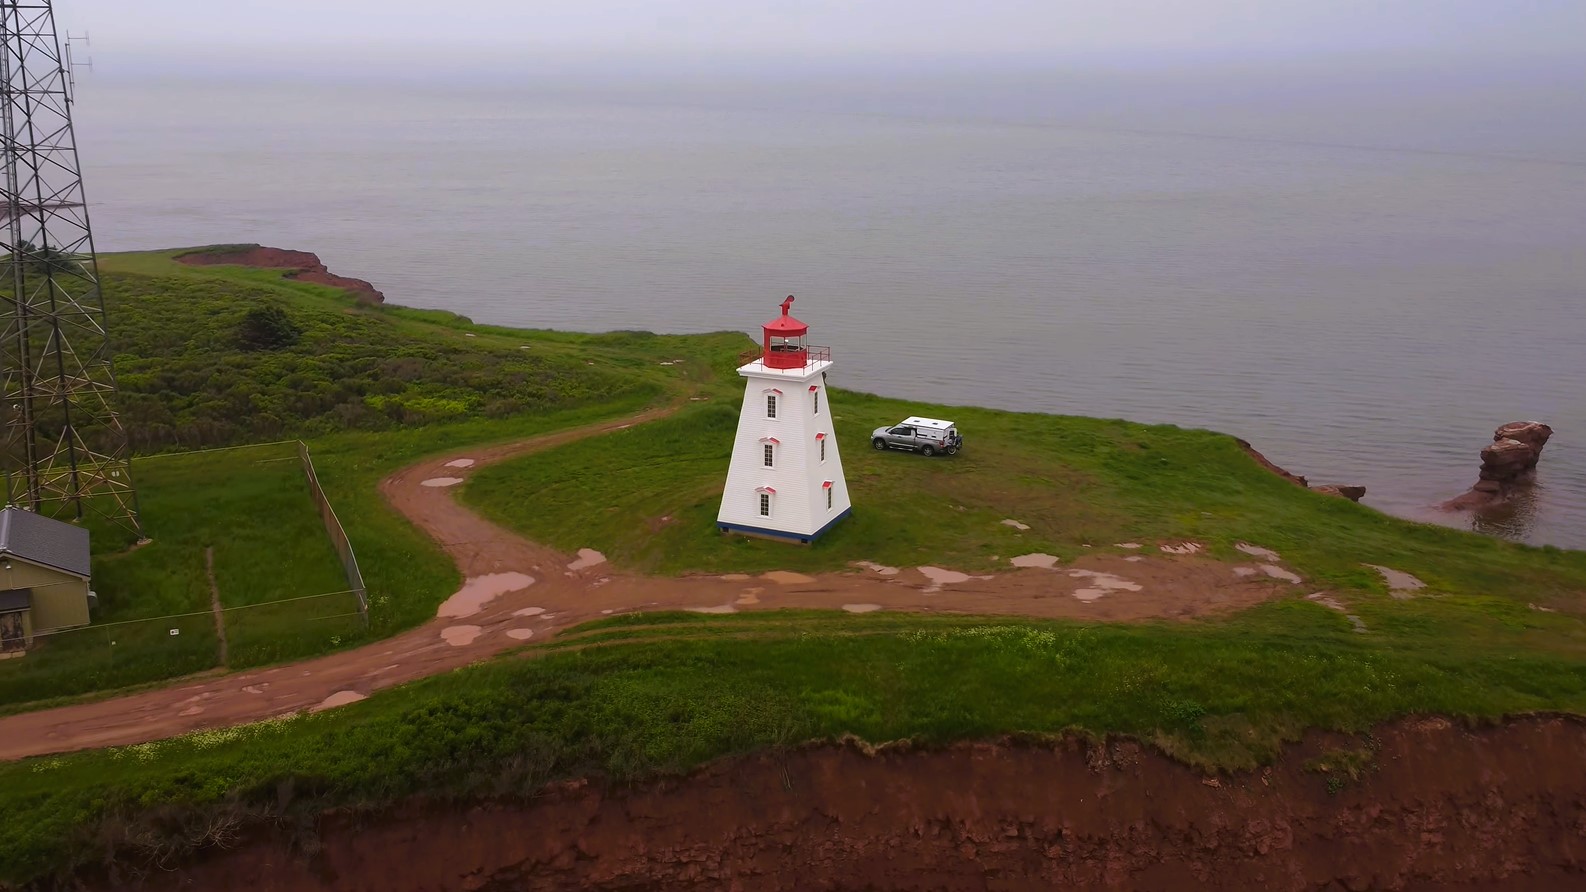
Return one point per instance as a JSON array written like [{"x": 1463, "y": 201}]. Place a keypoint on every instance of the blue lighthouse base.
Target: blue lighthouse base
[{"x": 783, "y": 535}]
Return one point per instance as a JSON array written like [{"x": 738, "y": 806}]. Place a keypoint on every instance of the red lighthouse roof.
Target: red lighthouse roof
[
  {"x": 785, "y": 325},
  {"x": 783, "y": 345}
]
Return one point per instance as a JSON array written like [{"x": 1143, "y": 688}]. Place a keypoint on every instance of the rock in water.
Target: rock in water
[
  {"x": 1533, "y": 434},
  {"x": 1510, "y": 462},
  {"x": 1352, "y": 493}
]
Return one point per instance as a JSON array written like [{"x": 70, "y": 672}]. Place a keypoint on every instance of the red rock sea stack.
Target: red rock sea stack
[{"x": 1508, "y": 464}]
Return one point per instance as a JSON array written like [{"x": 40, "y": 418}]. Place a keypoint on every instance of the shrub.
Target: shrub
[{"x": 267, "y": 327}]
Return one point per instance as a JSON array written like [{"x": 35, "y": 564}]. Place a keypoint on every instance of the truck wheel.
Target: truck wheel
[
  {"x": 952, "y": 450},
  {"x": 879, "y": 443},
  {"x": 927, "y": 451}
]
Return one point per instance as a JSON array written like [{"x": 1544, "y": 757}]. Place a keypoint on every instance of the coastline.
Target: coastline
[
  {"x": 1490, "y": 517},
  {"x": 1329, "y": 644}
]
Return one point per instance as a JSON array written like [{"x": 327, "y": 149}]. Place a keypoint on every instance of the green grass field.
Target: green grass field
[
  {"x": 206, "y": 500},
  {"x": 1076, "y": 482},
  {"x": 1501, "y": 628},
  {"x": 186, "y": 387},
  {"x": 664, "y": 693},
  {"x": 252, "y": 507}
]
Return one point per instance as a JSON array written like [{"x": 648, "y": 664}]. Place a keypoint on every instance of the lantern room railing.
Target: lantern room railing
[{"x": 811, "y": 354}]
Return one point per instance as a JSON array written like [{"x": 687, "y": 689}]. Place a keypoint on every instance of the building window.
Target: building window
[
  {"x": 828, "y": 498},
  {"x": 765, "y": 504},
  {"x": 823, "y": 450},
  {"x": 817, "y": 402},
  {"x": 770, "y": 405},
  {"x": 770, "y": 455}
]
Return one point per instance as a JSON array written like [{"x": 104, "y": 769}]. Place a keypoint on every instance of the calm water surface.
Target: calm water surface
[{"x": 1362, "y": 294}]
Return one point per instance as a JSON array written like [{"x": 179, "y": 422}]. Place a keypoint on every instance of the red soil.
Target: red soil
[
  {"x": 1443, "y": 807},
  {"x": 305, "y": 267}
]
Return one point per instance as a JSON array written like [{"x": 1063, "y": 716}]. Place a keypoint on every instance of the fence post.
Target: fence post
[{"x": 338, "y": 535}]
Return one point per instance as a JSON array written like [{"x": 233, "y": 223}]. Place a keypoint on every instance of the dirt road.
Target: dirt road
[{"x": 517, "y": 591}]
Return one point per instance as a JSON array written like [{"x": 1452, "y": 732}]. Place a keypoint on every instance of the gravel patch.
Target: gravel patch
[
  {"x": 587, "y": 557},
  {"x": 340, "y": 698},
  {"x": 1102, "y": 584},
  {"x": 1401, "y": 585},
  {"x": 1276, "y": 572}
]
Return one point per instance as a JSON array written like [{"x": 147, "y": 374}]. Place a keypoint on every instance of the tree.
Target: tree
[
  {"x": 267, "y": 327},
  {"x": 41, "y": 261}
]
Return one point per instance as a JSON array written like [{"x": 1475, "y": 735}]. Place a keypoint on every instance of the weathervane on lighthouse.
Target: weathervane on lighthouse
[{"x": 786, "y": 477}]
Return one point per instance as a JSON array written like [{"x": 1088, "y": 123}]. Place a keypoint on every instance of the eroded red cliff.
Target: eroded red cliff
[
  {"x": 303, "y": 266},
  {"x": 1435, "y": 806}
]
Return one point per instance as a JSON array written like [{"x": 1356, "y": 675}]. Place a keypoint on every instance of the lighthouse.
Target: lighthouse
[{"x": 786, "y": 477}]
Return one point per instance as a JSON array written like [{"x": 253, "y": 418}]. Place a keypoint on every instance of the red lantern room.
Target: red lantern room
[
  {"x": 784, "y": 345},
  {"x": 784, "y": 341}
]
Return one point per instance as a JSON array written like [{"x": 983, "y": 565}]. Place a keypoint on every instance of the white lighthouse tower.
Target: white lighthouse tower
[{"x": 786, "y": 478}]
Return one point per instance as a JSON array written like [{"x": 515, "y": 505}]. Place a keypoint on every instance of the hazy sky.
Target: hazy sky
[{"x": 833, "y": 26}]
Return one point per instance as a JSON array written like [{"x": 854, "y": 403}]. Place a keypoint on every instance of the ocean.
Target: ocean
[{"x": 1361, "y": 273}]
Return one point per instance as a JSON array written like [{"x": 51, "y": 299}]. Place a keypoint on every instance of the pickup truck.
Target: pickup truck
[{"x": 927, "y": 436}]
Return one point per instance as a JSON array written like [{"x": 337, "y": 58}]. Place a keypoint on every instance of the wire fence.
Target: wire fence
[
  {"x": 110, "y": 655},
  {"x": 338, "y": 535},
  {"x": 130, "y": 652},
  {"x": 276, "y": 631},
  {"x": 327, "y": 515}
]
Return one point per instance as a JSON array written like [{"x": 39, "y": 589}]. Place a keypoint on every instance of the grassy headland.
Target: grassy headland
[
  {"x": 1080, "y": 484},
  {"x": 189, "y": 380},
  {"x": 633, "y": 696},
  {"x": 370, "y": 388}
]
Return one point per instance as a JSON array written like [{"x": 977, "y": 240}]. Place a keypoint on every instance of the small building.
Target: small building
[
  {"x": 44, "y": 572},
  {"x": 786, "y": 476}
]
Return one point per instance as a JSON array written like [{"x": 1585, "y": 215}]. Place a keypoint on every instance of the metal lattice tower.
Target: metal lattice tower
[{"x": 62, "y": 446}]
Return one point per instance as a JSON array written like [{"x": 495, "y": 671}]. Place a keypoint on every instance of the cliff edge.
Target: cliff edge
[{"x": 301, "y": 266}]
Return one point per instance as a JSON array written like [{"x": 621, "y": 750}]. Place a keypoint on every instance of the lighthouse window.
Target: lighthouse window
[
  {"x": 823, "y": 450},
  {"x": 770, "y": 405},
  {"x": 817, "y": 396},
  {"x": 765, "y": 504},
  {"x": 828, "y": 498},
  {"x": 770, "y": 456}
]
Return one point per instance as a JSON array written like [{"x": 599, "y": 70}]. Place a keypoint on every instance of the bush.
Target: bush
[
  {"x": 267, "y": 327},
  {"x": 210, "y": 361}
]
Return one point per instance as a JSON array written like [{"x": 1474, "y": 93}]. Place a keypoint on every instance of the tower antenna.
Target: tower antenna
[
  {"x": 72, "y": 62},
  {"x": 62, "y": 446}
]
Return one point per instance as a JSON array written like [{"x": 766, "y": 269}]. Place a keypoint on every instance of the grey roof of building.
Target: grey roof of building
[{"x": 44, "y": 541}]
